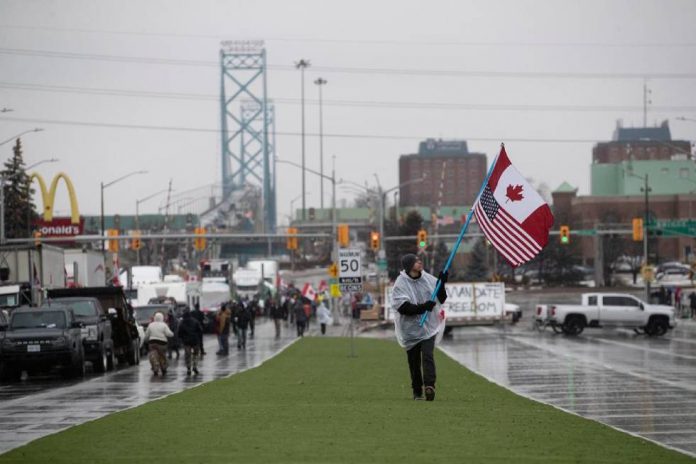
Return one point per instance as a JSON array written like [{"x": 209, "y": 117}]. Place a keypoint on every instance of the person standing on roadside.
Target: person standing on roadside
[
  {"x": 300, "y": 316},
  {"x": 190, "y": 333},
  {"x": 323, "y": 316},
  {"x": 242, "y": 318},
  {"x": 156, "y": 335},
  {"x": 278, "y": 315},
  {"x": 411, "y": 296},
  {"x": 222, "y": 328},
  {"x": 198, "y": 315},
  {"x": 692, "y": 304}
]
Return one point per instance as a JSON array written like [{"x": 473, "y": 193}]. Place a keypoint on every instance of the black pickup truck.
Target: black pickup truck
[
  {"x": 125, "y": 341},
  {"x": 38, "y": 339}
]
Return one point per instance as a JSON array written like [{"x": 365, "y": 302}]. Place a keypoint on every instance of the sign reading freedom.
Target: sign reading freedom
[{"x": 465, "y": 300}]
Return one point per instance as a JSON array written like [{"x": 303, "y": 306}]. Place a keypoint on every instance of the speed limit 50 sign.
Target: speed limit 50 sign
[{"x": 349, "y": 270}]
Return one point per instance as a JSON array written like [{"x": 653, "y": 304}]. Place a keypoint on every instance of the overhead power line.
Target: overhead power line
[
  {"x": 286, "y": 133},
  {"x": 359, "y": 70},
  {"x": 345, "y": 103},
  {"x": 433, "y": 42}
]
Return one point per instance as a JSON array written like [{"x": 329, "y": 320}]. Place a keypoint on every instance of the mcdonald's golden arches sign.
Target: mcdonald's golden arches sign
[{"x": 51, "y": 226}]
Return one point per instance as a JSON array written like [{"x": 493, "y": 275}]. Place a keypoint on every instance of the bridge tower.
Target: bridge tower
[{"x": 247, "y": 123}]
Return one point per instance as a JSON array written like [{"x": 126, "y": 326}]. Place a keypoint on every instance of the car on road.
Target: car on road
[
  {"x": 96, "y": 331},
  {"x": 146, "y": 314},
  {"x": 124, "y": 331},
  {"x": 39, "y": 339},
  {"x": 611, "y": 310}
]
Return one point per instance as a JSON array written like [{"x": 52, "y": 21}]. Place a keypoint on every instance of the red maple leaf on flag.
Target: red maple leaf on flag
[{"x": 514, "y": 193}]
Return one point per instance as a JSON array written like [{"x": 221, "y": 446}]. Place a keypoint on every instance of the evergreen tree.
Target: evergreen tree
[
  {"x": 440, "y": 257},
  {"x": 19, "y": 208},
  {"x": 477, "y": 269}
]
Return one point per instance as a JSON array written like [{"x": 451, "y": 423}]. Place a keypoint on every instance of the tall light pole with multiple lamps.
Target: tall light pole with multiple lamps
[
  {"x": 2, "y": 196},
  {"x": 109, "y": 184},
  {"x": 320, "y": 82},
  {"x": 137, "y": 214},
  {"x": 301, "y": 65}
]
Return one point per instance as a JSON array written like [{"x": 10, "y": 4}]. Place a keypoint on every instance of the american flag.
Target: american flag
[{"x": 503, "y": 231}]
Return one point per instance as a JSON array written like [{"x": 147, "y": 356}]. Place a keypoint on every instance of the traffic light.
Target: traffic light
[
  {"x": 312, "y": 214},
  {"x": 343, "y": 235},
  {"x": 136, "y": 244},
  {"x": 199, "y": 243},
  {"x": 292, "y": 241},
  {"x": 113, "y": 243},
  {"x": 565, "y": 235},
  {"x": 374, "y": 240},
  {"x": 638, "y": 229},
  {"x": 422, "y": 238}
]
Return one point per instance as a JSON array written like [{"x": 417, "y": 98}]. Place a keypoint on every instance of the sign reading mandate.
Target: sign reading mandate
[{"x": 349, "y": 270}]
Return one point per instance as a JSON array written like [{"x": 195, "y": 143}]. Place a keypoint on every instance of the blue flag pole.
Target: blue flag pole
[{"x": 461, "y": 234}]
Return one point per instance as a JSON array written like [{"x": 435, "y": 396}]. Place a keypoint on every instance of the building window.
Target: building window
[{"x": 684, "y": 173}]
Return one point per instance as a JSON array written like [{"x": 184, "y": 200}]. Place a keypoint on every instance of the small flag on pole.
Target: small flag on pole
[{"x": 511, "y": 214}]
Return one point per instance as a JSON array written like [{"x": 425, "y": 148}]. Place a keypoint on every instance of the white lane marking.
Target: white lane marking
[
  {"x": 644, "y": 348},
  {"x": 562, "y": 350},
  {"x": 507, "y": 387}
]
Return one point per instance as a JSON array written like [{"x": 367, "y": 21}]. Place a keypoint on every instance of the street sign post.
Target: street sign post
[
  {"x": 350, "y": 280},
  {"x": 349, "y": 270}
]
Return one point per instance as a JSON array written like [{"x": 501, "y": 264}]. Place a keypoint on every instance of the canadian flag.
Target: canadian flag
[
  {"x": 511, "y": 214},
  {"x": 323, "y": 286},
  {"x": 308, "y": 292}
]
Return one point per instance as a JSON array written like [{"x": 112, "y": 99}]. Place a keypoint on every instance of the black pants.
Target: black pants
[{"x": 421, "y": 356}]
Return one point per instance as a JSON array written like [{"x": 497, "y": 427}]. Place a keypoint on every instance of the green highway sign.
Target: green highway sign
[{"x": 680, "y": 227}]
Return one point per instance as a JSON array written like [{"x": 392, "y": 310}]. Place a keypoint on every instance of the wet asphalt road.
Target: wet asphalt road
[
  {"x": 39, "y": 406},
  {"x": 641, "y": 385}
]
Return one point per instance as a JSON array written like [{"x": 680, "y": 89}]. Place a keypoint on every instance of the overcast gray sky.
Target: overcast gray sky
[{"x": 521, "y": 77}]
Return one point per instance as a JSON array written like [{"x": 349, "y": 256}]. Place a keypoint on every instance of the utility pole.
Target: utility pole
[
  {"x": 646, "y": 102},
  {"x": 320, "y": 82},
  {"x": 301, "y": 65}
]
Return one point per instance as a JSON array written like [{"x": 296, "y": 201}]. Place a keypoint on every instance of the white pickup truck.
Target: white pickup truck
[{"x": 609, "y": 310}]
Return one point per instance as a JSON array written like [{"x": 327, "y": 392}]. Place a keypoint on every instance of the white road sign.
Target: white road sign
[{"x": 349, "y": 270}]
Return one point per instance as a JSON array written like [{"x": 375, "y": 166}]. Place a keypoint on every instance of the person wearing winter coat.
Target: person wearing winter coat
[
  {"x": 323, "y": 316},
  {"x": 157, "y": 335},
  {"x": 190, "y": 333},
  {"x": 222, "y": 329},
  {"x": 300, "y": 316},
  {"x": 411, "y": 296},
  {"x": 278, "y": 315},
  {"x": 174, "y": 342},
  {"x": 242, "y": 318},
  {"x": 200, "y": 317}
]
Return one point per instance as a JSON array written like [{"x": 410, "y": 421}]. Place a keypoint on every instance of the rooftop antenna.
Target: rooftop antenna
[{"x": 646, "y": 101}]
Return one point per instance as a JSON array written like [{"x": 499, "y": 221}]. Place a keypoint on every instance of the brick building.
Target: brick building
[
  {"x": 453, "y": 174},
  {"x": 619, "y": 172}
]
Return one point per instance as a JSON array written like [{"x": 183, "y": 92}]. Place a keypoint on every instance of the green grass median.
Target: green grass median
[{"x": 314, "y": 403}]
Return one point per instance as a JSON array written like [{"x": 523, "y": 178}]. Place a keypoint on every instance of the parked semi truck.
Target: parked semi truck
[{"x": 25, "y": 270}]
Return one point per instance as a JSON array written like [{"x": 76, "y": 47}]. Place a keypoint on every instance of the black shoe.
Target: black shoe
[
  {"x": 188, "y": 372},
  {"x": 418, "y": 396},
  {"x": 195, "y": 371},
  {"x": 429, "y": 393}
]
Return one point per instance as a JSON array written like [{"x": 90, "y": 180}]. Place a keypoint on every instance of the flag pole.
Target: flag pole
[{"x": 462, "y": 232}]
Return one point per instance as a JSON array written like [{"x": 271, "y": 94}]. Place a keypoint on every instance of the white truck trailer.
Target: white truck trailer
[
  {"x": 84, "y": 268},
  {"x": 26, "y": 270}
]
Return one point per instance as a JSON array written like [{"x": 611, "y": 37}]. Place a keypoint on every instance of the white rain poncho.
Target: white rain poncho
[{"x": 416, "y": 291}]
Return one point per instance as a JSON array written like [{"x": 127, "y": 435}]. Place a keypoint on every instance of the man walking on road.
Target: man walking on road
[
  {"x": 190, "y": 333},
  {"x": 222, "y": 328},
  {"x": 411, "y": 296},
  {"x": 200, "y": 317},
  {"x": 278, "y": 314}
]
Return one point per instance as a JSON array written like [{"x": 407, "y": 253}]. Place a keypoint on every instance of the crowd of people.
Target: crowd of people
[{"x": 169, "y": 333}]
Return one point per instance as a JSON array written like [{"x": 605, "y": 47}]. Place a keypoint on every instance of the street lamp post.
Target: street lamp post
[
  {"x": 645, "y": 189},
  {"x": 137, "y": 213},
  {"x": 2, "y": 196},
  {"x": 334, "y": 242},
  {"x": 109, "y": 184},
  {"x": 301, "y": 65},
  {"x": 38, "y": 129},
  {"x": 321, "y": 82}
]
